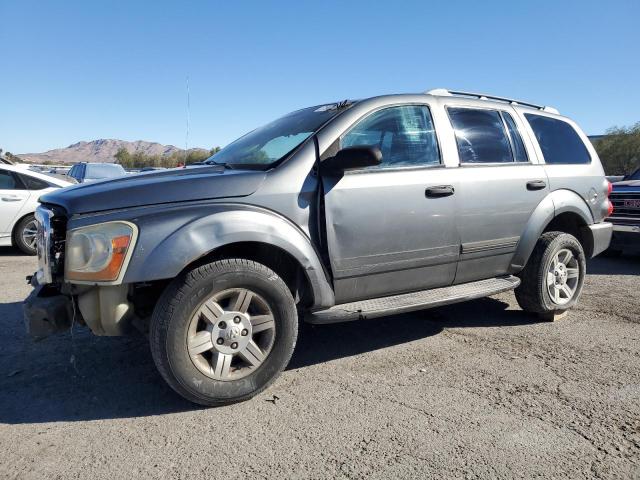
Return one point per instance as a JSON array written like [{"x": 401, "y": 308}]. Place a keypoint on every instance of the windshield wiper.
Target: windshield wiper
[{"x": 221, "y": 164}]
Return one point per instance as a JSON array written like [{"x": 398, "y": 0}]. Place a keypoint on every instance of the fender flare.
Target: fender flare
[
  {"x": 204, "y": 231},
  {"x": 554, "y": 204}
]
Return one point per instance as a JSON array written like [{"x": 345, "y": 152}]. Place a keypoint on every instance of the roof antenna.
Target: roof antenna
[{"x": 186, "y": 139}]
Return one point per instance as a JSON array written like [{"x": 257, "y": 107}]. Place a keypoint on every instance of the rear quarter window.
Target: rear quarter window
[{"x": 558, "y": 140}]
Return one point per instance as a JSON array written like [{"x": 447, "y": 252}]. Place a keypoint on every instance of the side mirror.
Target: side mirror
[{"x": 350, "y": 158}]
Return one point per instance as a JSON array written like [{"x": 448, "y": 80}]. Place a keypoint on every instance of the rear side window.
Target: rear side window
[
  {"x": 33, "y": 183},
  {"x": 519, "y": 152},
  {"x": 480, "y": 135},
  {"x": 558, "y": 140}
]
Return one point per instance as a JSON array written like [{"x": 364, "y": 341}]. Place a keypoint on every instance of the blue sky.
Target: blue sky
[{"x": 83, "y": 70}]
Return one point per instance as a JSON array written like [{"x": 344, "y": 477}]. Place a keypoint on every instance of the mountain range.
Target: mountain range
[{"x": 102, "y": 150}]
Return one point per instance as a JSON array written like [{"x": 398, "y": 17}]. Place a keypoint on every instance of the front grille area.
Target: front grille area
[
  {"x": 58, "y": 240},
  {"x": 52, "y": 231},
  {"x": 626, "y": 207}
]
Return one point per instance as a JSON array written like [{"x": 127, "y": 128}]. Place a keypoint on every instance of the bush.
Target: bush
[
  {"x": 141, "y": 160},
  {"x": 619, "y": 150}
]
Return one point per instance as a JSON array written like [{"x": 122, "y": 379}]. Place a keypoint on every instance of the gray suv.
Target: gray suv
[{"x": 346, "y": 211}]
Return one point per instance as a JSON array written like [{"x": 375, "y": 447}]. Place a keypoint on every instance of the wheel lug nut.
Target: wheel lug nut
[
  {"x": 236, "y": 319},
  {"x": 220, "y": 341},
  {"x": 234, "y": 345},
  {"x": 244, "y": 332},
  {"x": 222, "y": 325}
]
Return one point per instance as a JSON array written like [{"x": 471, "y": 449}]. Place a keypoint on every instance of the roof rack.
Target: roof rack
[{"x": 443, "y": 92}]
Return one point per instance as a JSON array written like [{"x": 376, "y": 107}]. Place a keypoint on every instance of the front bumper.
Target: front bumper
[
  {"x": 47, "y": 311},
  {"x": 106, "y": 310}
]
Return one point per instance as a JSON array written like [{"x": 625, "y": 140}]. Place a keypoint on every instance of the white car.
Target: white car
[{"x": 20, "y": 190}]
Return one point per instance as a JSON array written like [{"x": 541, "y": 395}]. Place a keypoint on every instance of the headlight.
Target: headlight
[{"x": 99, "y": 252}]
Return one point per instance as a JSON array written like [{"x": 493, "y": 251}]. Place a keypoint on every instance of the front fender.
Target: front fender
[
  {"x": 191, "y": 233},
  {"x": 554, "y": 204}
]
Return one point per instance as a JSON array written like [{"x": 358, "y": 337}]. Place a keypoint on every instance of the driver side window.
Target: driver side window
[{"x": 405, "y": 135}]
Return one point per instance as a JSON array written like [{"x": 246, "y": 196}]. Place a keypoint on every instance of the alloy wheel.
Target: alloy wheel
[
  {"x": 563, "y": 276},
  {"x": 30, "y": 234},
  {"x": 231, "y": 334}
]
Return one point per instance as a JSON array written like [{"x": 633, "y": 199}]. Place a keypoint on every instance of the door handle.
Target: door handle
[
  {"x": 439, "y": 191},
  {"x": 11, "y": 199},
  {"x": 536, "y": 185}
]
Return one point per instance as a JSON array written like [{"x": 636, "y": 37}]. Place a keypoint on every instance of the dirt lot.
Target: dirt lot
[{"x": 476, "y": 390}]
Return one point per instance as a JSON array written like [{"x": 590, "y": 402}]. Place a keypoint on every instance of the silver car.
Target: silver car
[{"x": 345, "y": 211}]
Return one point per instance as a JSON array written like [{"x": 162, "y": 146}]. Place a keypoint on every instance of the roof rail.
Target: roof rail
[{"x": 443, "y": 92}]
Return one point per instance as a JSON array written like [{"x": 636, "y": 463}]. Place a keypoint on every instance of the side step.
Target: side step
[{"x": 408, "y": 302}]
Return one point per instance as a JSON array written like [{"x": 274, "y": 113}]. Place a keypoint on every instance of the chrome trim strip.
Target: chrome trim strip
[
  {"x": 475, "y": 247},
  {"x": 43, "y": 245},
  {"x": 626, "y": 228}
]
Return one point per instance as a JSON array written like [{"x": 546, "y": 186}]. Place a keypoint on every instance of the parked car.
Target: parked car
[
  {"x": 347, "y": 211},
  {"x": 625, "y": 196},
  {"x": 19, "y": 192},
  {"x": 90, "y": 172}
]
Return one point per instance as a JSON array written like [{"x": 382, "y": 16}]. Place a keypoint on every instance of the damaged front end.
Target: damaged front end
[
  {"x": 55, "y": 305},
  {"x": 47, "y": 311}
]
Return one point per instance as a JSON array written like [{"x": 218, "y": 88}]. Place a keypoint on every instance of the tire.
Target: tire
[
  {"x": 189, "y": 317},
  {"x": 539, "y": 277},
  {"x": 25, "y": 230}
]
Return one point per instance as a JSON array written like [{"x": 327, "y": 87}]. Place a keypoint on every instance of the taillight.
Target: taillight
[
  {"x": 610, "y": 208},
  {"x": 609, "y": 188}
]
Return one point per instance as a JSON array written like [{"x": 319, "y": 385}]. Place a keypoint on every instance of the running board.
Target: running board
[{"x": 408, "y": 302}]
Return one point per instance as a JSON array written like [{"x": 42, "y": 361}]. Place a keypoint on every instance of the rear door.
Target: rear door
[
  {"x": 386, "y": 233},
  {"x": 13, "y": 198},
  {"x": 498, "y": 185}
]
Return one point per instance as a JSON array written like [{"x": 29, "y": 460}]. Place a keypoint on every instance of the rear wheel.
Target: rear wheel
[
  {"x": 553, "y": 277},
  {"x": 224, "y": 331},
  {"x": 25, "y": 234}
]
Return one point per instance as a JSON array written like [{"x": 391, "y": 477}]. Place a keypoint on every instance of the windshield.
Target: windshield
[
  {"x": 267, "y": 145},
  {"x": 105, "y": 170}
]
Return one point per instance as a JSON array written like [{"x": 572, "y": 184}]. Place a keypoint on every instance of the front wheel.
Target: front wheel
[
  {"x": 223, "y": 332},
  {"x": 552, "y": 280}
]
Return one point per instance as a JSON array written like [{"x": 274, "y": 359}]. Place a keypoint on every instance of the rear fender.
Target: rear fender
[{"x": 554, "y": 204}]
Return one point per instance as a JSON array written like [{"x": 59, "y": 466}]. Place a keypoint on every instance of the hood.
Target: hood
[
  {"x": 167, "y": 186},
  {"x": 626, "y": 184}
]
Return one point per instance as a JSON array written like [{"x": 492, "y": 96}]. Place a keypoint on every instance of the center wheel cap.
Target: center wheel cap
[
  {"x": 230, "y": 328},
  {"x": 233, "y": 333}
]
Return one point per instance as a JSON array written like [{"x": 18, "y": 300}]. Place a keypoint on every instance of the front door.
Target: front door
[{"x": 391, "y": 228}]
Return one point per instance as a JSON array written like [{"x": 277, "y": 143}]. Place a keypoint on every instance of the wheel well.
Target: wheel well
[
  {"x": 15, "y": 225},
  {"x": 573, "y": 224},
  {"x": 275, "y": 258}
]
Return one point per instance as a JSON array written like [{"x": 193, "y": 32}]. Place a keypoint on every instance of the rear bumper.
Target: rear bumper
[
  {"x": 600, "y": 235},
  {"x": 47, "y": 311}
]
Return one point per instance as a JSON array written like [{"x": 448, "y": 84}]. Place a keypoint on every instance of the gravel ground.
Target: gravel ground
[{"x": 475, "y": 390}]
